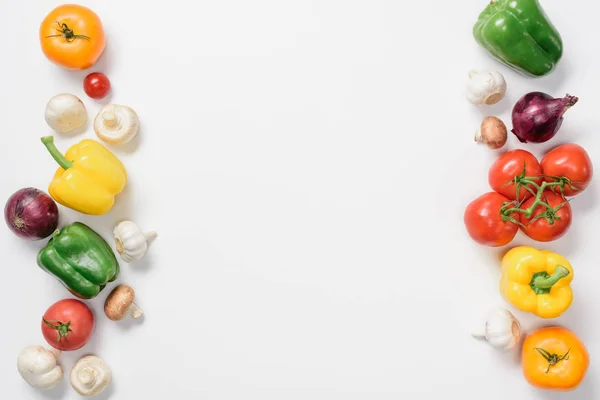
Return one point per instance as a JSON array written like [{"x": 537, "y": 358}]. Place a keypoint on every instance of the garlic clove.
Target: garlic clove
[
  {"x": 502, "y": 330},
  {"x": 131, "y": 241},
  {"x": 116, "y": 124}
]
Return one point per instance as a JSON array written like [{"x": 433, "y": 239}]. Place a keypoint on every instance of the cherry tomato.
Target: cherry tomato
[
  {"x": 509, "y": 165},
  {"x": 570, "y": 161},
  {"x": 484, "y": 222},
  {"x": 96, "y": 85},
  {"x": 541, "y": 229},
  {"x": 68, "y": 324}
]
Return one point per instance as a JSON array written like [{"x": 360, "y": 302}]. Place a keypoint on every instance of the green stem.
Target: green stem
[
  {"x": 55, "y": 153},
  {"x": 541, "y": 282},
  {"x": 552, "y": 359},
  {"x": 63, "y": 329},
  {"x": 538, "y": 200}
]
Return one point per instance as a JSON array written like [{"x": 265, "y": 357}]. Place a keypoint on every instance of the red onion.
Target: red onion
[
  {"x": 31, "y": 214},
  {"x": 538, "y": 116}
]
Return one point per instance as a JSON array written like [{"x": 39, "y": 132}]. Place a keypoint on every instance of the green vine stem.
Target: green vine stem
[
  {"x": 524, "y": 181},
  {"x": 552, "y": 359}
]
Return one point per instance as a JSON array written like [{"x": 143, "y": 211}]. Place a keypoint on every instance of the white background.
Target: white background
[{"x": 306, "y": 165}]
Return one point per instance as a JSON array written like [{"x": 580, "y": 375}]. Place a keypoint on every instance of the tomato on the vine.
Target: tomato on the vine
[
  {"x": 68, "y": 324},
  {"x": 545, "y": 225},
  {"x": 510, "y": 165},
  {"x": 96, "y": 85},
  {"x": 572, "y": 162},
  {"x": 485, "y": 223}
]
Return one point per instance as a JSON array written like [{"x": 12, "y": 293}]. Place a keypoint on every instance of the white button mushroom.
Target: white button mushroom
[
  {"x": 90, "y": 376},
  {"x": 116, "y": 124},
  {"x": 39, "y": 367},
  {"x": 120, "y": 302},
  {"x": 485, "y": 88},
  {"x": 132, "y": 242},
  {"x": 65, "y": 112}
]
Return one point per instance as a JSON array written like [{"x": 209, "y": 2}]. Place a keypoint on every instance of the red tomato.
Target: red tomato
[
  {"x": 541, "y": 229},
  {"x": 570, "y": 161},
  {"x": 68, "y": 324},
  {"x": 509, "y": 165},
  {"x": 96, "y": 85},
  {"x": 484, "y": 222}
]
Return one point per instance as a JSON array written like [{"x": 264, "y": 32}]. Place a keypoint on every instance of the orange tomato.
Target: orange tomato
[
  {"x": 554, "y": 359},
  {"x": 72, "y": 36}
]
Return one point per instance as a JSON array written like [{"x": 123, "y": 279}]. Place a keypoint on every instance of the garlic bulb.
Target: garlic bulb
[
  {"x": 502, "y": 330},
  {"x": 131, "y": 242},
  {"x": 485, "y": 88}
]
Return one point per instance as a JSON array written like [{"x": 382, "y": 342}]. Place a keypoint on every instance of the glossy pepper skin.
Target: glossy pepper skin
[
  {"x": 519, "y": 34},
  {"x": 80, "y": 259},
  {"x": 89, "y": 177},
  {"x": 537, "y": 281}
]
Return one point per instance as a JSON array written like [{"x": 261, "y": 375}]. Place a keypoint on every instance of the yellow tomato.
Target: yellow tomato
[
  {"x": 72, "y": 36},
  {"x": 554, "y": 359}
]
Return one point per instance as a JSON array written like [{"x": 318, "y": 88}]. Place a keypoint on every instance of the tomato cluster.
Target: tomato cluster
[{"x": 529, "y": 195}]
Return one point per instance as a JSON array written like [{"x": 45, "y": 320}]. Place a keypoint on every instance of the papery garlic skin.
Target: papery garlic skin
[
  {"x": 131, "y": 241},
  {"x": 39, "y": 367},
  {"x": 485, "y": 88},
  {"x": 502, "y": 330}
]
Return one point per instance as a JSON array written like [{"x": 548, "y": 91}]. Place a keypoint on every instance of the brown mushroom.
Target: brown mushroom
[
  {"x": 492, "y": 133},
  {"x": 120, "y": 302}
]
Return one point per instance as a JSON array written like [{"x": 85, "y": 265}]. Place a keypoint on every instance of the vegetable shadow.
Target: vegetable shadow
[
  {"x": 108, "y": 392},
  {"x": 128, "y": 323},
  {"x": 103, "y": 64},
  {"x": 553, "y": 81},
  {"x": 134, "y": 143},
  {"x": 59, "y": 391}
]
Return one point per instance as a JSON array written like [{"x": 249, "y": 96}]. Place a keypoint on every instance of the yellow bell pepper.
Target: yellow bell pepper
[
  {"x": 537, "y": 281},
  {"x": 89, "y": 177}
]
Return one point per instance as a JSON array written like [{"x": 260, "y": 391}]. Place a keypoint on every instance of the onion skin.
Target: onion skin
[
  {"x": 537, "y": 116},
  {"x": 31, "y": 214}
]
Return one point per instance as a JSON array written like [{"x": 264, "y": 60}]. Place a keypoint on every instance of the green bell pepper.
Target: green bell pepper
[
  {"x": 80, "y": 259},
  {"x": 519, "y": 34}
]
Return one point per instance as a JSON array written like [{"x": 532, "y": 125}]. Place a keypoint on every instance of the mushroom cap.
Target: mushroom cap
[
  {"x": 39, "y": 367},
  {"x": 118, "y": 302},
  {"x": 65, "y": 112},
  {"x": 90, "y": 375}
]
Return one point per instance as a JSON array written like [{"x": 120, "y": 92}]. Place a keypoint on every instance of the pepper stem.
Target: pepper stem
[
  {"x": 48, "y": 141},
  {"x": 542, "y": 282}
]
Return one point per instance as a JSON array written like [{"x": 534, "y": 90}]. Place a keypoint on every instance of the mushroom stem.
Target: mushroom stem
[
  {"x": 110, "y": 118},
  {"x": 87, "y": 376},
  {"x": 478, "y": 136},
  {"x": 135, "y": 311}
]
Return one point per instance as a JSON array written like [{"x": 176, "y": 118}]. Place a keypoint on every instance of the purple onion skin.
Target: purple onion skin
[
  {"x": 31, "y": 214},
  {"x": 537, "y": 116}
]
